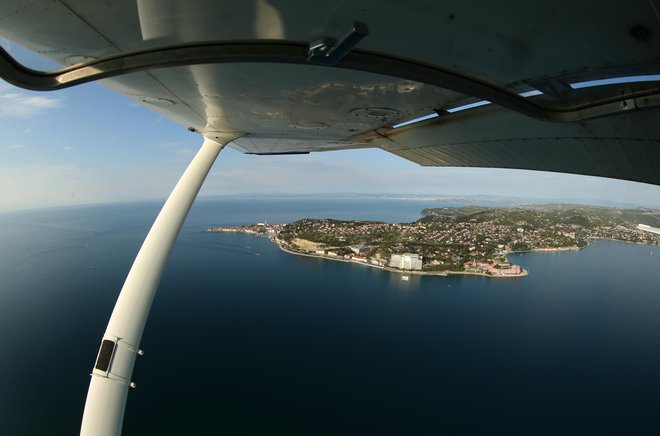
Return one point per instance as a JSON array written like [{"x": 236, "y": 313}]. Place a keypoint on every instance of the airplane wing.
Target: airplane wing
[{"x": 298, "y": 77}]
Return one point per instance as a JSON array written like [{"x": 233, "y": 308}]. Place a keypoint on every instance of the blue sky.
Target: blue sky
[{"x": 90, "y": 145}]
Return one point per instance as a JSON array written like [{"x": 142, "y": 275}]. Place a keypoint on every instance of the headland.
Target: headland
[{"x": 472, "y": 240}]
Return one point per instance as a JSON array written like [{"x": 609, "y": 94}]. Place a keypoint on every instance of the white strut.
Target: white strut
[{"x": 111, "y": 376}]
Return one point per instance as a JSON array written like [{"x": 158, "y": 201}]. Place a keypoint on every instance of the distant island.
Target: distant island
[{"x": 460, "y": 240}]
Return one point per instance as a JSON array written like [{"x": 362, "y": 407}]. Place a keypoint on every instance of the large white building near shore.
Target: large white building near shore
[
  {"x": 406, "y": 261},
  {"x": 648, "y": 228}
]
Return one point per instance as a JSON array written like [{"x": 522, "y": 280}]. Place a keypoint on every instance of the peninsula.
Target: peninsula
[{"x": 459, "y": 240}]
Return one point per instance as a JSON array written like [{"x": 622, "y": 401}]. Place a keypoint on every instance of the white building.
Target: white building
[
  {"x": 406, "y": 261},
  {"x": 648, "y": 228},
  {"x": 359, "y": 248}
]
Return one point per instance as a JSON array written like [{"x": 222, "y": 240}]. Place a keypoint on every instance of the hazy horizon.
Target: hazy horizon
[
  {"x": 484, "y": 200},
  {"x": 90, "y": 145}
]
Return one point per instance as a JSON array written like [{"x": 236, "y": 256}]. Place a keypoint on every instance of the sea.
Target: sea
[{"x": 244, "y": 339}]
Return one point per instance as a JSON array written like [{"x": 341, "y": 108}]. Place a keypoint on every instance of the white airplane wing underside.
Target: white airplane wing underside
[{"x": 241, "y": 68}]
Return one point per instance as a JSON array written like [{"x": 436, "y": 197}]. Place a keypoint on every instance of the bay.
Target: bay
[{"x": 246, "y": 339}]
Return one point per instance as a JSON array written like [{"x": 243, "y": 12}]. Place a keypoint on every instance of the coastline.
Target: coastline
[
  {"x": 450, "y": 247},
  {"x": 599, "y": 238},
  {"x": 477, "y": 268},
  {"x": 396, "y": 270},
  {"x": 553, "y": 249},
  {"x": 577, "y": 248},
  {"x": 446, "y": 273}
]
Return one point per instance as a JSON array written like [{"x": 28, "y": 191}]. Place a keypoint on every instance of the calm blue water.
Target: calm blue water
[{"x": 246, "y": 339}]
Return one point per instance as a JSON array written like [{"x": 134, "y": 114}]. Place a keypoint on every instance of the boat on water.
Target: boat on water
[{"x": 405, "y": 278}]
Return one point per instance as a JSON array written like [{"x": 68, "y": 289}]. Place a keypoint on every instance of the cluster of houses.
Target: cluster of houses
[
  {"x": 359, "y": 254},
  {"x": 496, "y": 269},
  {"x": 406, "y": 261}
]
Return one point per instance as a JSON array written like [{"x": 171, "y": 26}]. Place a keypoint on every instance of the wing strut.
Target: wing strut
[{"x": 111, "y": 375}]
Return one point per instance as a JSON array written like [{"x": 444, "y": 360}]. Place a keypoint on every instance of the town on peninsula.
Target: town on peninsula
[{"x": 460, "y": 240}]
